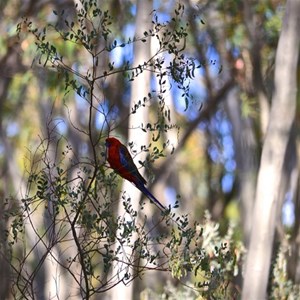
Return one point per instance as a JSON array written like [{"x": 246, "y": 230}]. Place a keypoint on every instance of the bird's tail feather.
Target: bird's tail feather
[{"x": 147, "y": 193}]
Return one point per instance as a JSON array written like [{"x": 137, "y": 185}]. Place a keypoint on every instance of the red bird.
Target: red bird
[{"x": 121, "y": 161}]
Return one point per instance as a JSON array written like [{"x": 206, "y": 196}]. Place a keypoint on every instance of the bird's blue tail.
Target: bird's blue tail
[{"x": 147, "y": 193}]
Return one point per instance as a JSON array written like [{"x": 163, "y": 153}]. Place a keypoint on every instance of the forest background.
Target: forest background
[{"x": 204, "y": 94}]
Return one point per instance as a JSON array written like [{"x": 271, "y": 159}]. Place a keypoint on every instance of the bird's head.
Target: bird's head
[{"x": 111, "y": 141}]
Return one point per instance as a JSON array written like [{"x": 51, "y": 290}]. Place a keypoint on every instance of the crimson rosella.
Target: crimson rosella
[{"x": 121, "y": 161}]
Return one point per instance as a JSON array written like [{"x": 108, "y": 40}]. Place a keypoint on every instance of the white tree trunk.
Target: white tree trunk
[
  {"x": 245, "y": 155},
  {"x": 281, "y": 118},
  {"x": 140, "y": 89}
]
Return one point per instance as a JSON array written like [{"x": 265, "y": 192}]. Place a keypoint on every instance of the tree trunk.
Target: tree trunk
[
  {"x": 246, "y": 160},
  {"x": 140, "y": 88},
  {"x": 281, "y": 118}
]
